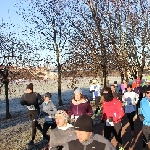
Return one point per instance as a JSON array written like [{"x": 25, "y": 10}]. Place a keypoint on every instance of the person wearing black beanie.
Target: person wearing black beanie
[
  {"x": 32, "y": 100},
  {"x": 85, "y": 138},
  {"x": 84, "y": 123}
]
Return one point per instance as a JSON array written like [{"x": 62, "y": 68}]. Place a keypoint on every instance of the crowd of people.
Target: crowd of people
[{"x": 72, "y": 129}]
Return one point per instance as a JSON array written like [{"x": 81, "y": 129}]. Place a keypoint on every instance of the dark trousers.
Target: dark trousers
[
  {"x": 138, "y": 103},
  {"x": 34, "y": 123},
  {"x": 115, "y": 130},
  {"x": 130, "y": 117},
  {"x": 97, "y": 100},
  {"x": 46, "y": 126},
  {"x": 146, "y": 136}
]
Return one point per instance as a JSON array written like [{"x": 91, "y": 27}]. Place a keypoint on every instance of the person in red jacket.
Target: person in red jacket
[{"x": 112, "y": 116}]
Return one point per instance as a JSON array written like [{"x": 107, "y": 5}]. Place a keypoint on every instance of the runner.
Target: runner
[
  {"x": 64, "y": 130},
  {"x": 115, "y": 94},
  {"x": 30, "y": 99},
  {"x": 85, "y": 139},
  {"x": 139, "y": 91},
  {"x": 117, "y": 87},
  {"x": 123, "y": 86},
  {"x": 112, "y": 116},
  {"x": 79, "y": 105},
  {"x": 145, "y": 117},
  {"x": 49, "y": 111},
  {"x": 95, "y": 88},
  {"x": 131, "y": 99}
]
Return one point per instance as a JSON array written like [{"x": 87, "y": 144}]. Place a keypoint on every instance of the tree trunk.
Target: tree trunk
[
  {"x": 122, "y": 77},
  {"x": 104, "y": 75},
  {"x": 8, "y": 115},
  {"x": 59, "y": 85}
]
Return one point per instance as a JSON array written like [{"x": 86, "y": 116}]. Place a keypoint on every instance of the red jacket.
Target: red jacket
[{"x": 113, "y": 109}]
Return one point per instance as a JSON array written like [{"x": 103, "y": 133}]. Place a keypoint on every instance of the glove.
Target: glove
[
  {"x": 93, "y": 90},
  {"x": 142, "y": 118}
]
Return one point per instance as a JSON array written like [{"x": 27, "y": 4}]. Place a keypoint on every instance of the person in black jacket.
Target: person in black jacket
[
  {"x": 84, "y": 138},
  {"x": 32, "y": 100}
]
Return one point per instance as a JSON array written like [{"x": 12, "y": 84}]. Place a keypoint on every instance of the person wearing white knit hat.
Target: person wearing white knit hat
[
  {"x": 79, "y": 105},
  {"x": 59, "y": 135}
]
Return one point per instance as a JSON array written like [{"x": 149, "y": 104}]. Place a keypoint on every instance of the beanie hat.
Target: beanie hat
[
  {"x": 78, "y": 90},
  {"x": 94, "y": 81},
  {"x": 63, "y": 113},
  {"x": 48, "y": 95},
  {"x": 148, "y": 88},
  {"x": 30, "y": 86},
  {"x": 84, "y": 123}
]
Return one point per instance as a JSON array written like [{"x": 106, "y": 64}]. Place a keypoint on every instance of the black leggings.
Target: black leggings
[
  {"x": 97, "y": 100},
  {"x": 34, "y": 123},
  {"x": 130, "y": 117},
  {"x": 46, "y": 126},
  {"x": 146, "y": 136},
  {"x": 115, "y": 130}
]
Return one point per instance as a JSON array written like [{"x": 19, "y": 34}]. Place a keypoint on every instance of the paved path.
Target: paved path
[{"x": 129, "y": 142}]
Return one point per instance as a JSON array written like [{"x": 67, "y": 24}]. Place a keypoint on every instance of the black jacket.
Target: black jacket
[{"x": 31, "y": 99}]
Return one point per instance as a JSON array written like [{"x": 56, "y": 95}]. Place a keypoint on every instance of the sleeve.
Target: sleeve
[
  {"x": 109, "y": 146},
  {"x": 89, "y": 109},
  {"x": 121, "y": 87},
  {"x": 141, "y": 108},
  {"x": 101, "y": 139},
  {"x": 70, "y": 110},
  {"x": 136, "y": 98},
  {"x": 40, "y": 99},
  {"x": 52, "y": 141},
  {"x": 66, "y": 147},
  {"x": 123, "y": 98},
  {"x": 22, "y": 101},
  {"x": 91, "y": 88},
  {"x": 53, "y": 108},
  {"x": 143, "y": 89},
  {"x": 120, "y": 111},
  {"x": 104, "y": 117}
]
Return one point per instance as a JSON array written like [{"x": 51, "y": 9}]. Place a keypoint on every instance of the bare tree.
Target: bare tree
[{"x": 52, "y": 27}]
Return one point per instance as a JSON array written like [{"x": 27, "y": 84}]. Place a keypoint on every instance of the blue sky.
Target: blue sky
[
  {"x": 7, "y": 11},
  {"x": 8, "y": 15}
]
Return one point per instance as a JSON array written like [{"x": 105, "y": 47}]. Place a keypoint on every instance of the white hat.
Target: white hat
[{"x": 94, "y": 81}]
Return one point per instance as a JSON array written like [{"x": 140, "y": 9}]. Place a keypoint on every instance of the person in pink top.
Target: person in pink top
[{"x": 123, "y": 86}]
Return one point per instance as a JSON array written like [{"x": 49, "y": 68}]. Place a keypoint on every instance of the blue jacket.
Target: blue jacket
[{"x": 145, "y": 110}]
